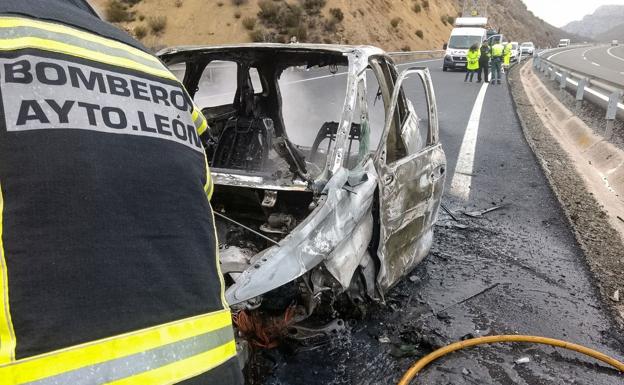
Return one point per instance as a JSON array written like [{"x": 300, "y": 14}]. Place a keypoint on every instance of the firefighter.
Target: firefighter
[
  {"x": 108, "y": 253},
  {"x": 497, "y": 60}
]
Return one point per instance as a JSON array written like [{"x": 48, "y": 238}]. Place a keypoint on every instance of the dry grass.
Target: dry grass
[
  {"x": 249, "y": 23},
  {"x": 140, "y": 31},
  {"x": 117, "y": 12},
  {"x": 157, "y": 24}
]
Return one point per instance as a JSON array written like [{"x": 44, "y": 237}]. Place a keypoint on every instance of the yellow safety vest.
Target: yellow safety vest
[
  {"x": 497, "y": 50},
  {"x": 49, "y": 62},
  {"x": 508, "y": 48},
  {"x": 473, "y": 59}
]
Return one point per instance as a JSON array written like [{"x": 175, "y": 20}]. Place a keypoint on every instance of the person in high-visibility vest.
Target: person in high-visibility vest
[
  {"x": 507, "y": 55},
  {"x": 108, "y": 254},
  {"x": 472, "y": 65},
  {"x": 497, "y": 61}
]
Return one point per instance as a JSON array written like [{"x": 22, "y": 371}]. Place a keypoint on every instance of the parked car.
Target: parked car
[
  {"x": 614, "y": 43},
  {"x": 527, "y": 48},
  {"x": 564, "y": 43},
  {"x": 317, "y": 196},
  {"x": 515, "y": 51}
]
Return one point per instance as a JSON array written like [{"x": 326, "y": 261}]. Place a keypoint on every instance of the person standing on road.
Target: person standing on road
[
  {"x": 108, "y": 253},
  {"x": 484, "y": 63},
  {"x": 472, "y": 65},
  {"x": 497, "y": 61},
  {"x": 507, "y": 56}
]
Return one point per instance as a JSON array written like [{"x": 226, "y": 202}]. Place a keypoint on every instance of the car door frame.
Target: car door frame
[{"x": 408, "y": 204}]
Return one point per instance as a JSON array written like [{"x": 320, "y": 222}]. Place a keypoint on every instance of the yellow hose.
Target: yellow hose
[{"x": 420, "y": 364}]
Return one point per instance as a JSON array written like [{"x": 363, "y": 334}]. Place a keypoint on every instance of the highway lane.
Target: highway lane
[
  {"x": 522, "y": 263},
  {"x": 602, "y": 62}
]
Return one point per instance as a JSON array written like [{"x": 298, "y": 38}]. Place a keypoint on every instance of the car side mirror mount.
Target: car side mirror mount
[{"x": 445, "y": 46}]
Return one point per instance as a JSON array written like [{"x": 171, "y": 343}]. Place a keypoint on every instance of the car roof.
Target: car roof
[{"x": 360, "y": 50}]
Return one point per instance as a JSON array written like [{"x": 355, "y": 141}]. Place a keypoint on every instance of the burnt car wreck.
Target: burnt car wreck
[{"x": 328, "y": 172}]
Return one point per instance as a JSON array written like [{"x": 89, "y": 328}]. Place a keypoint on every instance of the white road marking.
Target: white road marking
[
  {"x": 595, "y": 64},
  {"x": 557, "y": 53},
  {"x": 614, "y": 55},
  {"x": 584, "y": 52},
  {"x": 462, "y": 178}
]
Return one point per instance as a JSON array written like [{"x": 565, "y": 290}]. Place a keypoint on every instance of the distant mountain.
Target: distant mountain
[
  {"x": 616, "y": 33},
  {"x": 601, "y": 21}
]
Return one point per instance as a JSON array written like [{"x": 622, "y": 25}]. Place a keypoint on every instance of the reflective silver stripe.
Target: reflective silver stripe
[
  {"x": 24, "y": 31},
  {"x": 124, "y": 367}
]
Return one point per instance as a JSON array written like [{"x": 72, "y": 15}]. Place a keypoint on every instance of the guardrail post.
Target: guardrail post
[
  {"x": 564, "y": 78},
  {"x": 612, "y": 106},
  {"x": 536, "y": 62},
  {"x": 553, "y": 73},
  {"x": 580, "y": 92}
]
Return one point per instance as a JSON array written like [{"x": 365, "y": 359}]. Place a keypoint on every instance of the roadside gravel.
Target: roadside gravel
[{"x": 601, "y": 244}]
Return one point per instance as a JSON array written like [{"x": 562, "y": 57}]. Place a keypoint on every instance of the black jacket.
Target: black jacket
[{"x": 485, "y": 55}]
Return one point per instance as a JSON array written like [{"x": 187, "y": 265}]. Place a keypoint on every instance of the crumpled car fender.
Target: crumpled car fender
[{"x": 336, "y": 217}]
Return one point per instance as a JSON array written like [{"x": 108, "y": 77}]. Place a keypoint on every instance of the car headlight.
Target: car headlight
[{"x": 448, "y": 58}]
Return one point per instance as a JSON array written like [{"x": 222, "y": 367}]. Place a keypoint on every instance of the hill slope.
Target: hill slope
[
  {"x": 602, "y": 20},
  {"x": 616, "y": 33},
  {"x": 390, "y": 24}
]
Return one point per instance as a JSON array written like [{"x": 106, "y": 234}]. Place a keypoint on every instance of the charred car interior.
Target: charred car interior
[{"x": 319, "y": 197}]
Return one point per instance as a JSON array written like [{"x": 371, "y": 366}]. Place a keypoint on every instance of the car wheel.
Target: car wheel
[{"x": 444, "y": 68}]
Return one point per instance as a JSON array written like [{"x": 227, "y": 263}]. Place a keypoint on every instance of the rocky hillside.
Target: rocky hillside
[
  {"x": 520, "y": 24},
  {"x": 391, "y": 24},
  {"x": 616, "y": 33},
  {"x": 601, "y": 21}
]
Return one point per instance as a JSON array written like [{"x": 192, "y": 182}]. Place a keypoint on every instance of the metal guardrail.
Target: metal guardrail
[
  {"x": 407, "y": 56},
  {"x": 599, "y": 91}
]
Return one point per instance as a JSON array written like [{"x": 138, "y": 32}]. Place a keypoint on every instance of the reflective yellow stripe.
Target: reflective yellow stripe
[
  {"x": 218, "y": 262},
  {"x": 184, "y": 369},
  {"x": 65, "y": 360},
  {"x": 73, "y": 50},
  {"x": 209, "y": 186},
  {"x": 197, "y": 114},
  {"x": 203, "y": 127},
  {"x": 7, "y": 335},
  {"x": 12, "y": 22}
]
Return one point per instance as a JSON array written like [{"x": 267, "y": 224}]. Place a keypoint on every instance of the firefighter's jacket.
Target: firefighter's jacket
[{"x": 109, "y": 270}]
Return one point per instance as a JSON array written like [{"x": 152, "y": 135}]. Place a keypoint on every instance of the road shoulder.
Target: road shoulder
[{"x": 601, "y": 244}]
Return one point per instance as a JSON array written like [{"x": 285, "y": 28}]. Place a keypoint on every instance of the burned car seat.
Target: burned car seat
[
  {"x": 328, "y": 131},
  {"x": 246, "y": 139}
]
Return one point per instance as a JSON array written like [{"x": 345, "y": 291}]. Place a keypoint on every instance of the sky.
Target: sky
[{"x": 561, "y": 12}]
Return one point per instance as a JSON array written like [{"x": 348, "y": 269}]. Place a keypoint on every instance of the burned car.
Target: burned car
[{"x": 327, "y": 167}]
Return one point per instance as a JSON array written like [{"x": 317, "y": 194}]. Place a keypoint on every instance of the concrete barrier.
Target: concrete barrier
[{"x": 599, "y": 162}]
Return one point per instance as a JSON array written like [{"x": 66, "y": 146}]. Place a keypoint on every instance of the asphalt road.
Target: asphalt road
[
  {"x": 514, "y": 270},
  {"x": 604, "y": 62}
]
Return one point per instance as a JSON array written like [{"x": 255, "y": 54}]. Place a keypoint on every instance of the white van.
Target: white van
[
  {"x": 467, "y": 31},
  {"x": 564, "y": 43}
]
